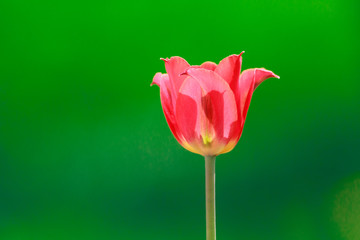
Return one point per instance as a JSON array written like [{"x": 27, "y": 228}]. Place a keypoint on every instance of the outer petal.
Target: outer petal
[
  {"x": 157, "y": 78},
  {"x": 201, "y": 116},
  {"x": 188, "y": 109},
  {"x": 209, "y": 65},
  {"x": 218, "y": 101},
  {"x": 229, "y": 69},
  {"x": 249, "y": 80},
  {"x": 167, "y": 102},
  {"x": 261, "y": 74},
  {"x": 174, "y": 67}
]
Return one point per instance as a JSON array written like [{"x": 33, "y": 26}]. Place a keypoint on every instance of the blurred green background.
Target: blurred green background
[{"x": 85, "y": 151}]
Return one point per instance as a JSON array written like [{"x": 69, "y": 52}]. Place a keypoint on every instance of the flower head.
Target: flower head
[{"x": 205, "y": 106}]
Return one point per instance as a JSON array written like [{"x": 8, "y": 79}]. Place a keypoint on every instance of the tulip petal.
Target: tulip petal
[
  {"x": 215, "y": 94},
  {"x": 193, "y": 120},
  {"x": 187, "y": 109},
  {"x": 229, "y": 69},
  {"x": 261, "y": 74},
  {"x": 249, "y": 80},
  {"x": 209, "y": 65},
  {"x": 174, "y": 67},
  {"x": 157, "y": 78},
  {"x": 167, "y": 102}
]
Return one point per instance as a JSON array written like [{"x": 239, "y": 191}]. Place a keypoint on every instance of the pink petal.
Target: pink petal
[
  {"x": 261, "y": 74},
  {"x": 174, "y": 67},
  {"x": 209, "y": 65},
  {"x": 167, "y": 102},
  {"x": 188, "y": 110},
  {"x": 217, "y": 101},
  {"x": 157, "y": 79},
  {"x": 229, "y": 69},
  {"x": 249, "y": 80}
]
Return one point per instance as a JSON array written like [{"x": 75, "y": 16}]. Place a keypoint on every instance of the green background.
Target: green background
[{"x": 85, "y": 151}]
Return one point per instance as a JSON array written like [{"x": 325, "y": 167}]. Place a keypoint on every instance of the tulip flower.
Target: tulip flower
[{"x": 205, "y": 107}]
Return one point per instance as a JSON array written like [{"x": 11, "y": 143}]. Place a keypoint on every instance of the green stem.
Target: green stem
[{"x": 210, "y": 197}]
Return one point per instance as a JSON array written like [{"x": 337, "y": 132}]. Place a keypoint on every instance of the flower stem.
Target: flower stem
[{"x": 210, "y": 197}]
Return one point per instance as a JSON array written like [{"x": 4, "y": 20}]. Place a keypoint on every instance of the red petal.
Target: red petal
[
  {"x": 217, "y": 101},
  {"x": 209, "y": 65},
  {"x": 249, "y": 80},
  {"x": 157, "y": 79},
  {"x": 167, "y": 102},
  {"x": 174, "y": 67},
  {"x": 188, "y": 111},
  {"x": 261, "y": 74},
  {"x": 229, "y": 69}
]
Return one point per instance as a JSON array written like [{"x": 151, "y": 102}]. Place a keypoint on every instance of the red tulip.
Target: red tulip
[{"x": 205, "y": 106}]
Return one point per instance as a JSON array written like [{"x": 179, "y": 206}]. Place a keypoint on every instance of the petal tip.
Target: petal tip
[
  {"x": 156, "y": 79},
  {"x": 238, "y": 55},
  {"x": 275, "y": 76},
  {"x": 186, "y": 71}
]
